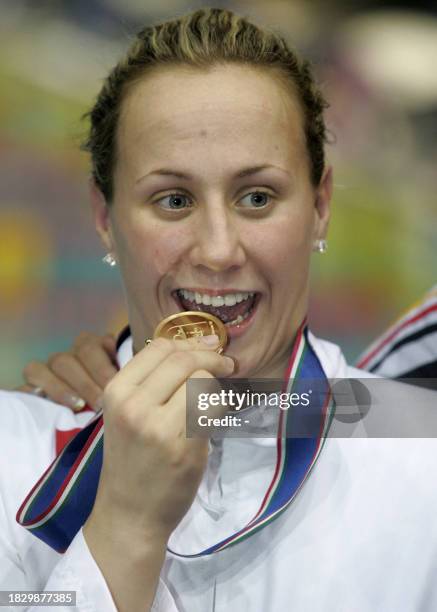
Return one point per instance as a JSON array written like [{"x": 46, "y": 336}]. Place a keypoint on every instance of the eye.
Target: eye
[
  {"x": 174, "y": 201},
  {"x": 257, "y": 199}
]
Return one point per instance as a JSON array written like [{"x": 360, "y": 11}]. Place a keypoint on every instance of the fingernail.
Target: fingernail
[
  {"x": 98, "y": 405},
  {"x": 77, "y": 403},
  {"x": 211, "y": 340},
  {"x": 230, "y": 364}
]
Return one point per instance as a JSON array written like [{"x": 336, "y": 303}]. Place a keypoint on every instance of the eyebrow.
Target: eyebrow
[{"x": 181, "y": 175}]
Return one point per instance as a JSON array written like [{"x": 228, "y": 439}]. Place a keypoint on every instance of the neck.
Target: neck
[{"x": 278, "y": 367}]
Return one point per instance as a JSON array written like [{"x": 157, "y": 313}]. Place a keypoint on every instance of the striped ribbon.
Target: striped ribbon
[
  {"x": 419, "y": 321},
  {"x": 299, "y": 440},
  {"x": 62, "y": 499}
]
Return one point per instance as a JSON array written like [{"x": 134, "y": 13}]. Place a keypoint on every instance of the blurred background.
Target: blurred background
[{"x": 376, "y": 62}]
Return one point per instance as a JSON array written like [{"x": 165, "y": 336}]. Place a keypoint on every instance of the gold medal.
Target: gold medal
[{"x": 192, "y": 324}]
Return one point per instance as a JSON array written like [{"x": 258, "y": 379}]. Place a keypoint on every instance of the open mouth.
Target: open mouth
[{"x": 230, "y": 308}]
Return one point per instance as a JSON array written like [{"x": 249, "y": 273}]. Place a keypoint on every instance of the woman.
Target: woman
[
  {"x": 209, "y": 181},
  {"x": 77, "y": 377}
]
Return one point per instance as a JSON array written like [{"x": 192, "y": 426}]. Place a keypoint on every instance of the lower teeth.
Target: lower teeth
[{"x": 238, "y": 320}]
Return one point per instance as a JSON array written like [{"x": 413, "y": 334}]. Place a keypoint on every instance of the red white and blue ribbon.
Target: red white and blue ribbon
[
  {"x": 62, "y": 499},
  {"x": 297, "y": 451}
]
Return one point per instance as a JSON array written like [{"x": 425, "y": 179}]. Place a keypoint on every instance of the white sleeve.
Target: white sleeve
[
  {"x": 76, "y": 571},
  {"x": 27, "y": 426}
]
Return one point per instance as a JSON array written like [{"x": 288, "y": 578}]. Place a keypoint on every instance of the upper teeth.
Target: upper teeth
[{"x": 230, "y": 299}]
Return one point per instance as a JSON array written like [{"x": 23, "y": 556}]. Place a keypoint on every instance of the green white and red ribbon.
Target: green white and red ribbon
[{"x": 62, "y": 499}]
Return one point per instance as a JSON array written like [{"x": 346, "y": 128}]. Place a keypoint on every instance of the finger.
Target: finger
[
  {"x": 37, "y": 374},
  {"x": 69, "y": 370},
  {"x": 164, "y": 381},
  {"x": 84, "y": 337},
  {"x": 110, "y": 345},
  {"x": 188, "y": 394},
  {"x": 153, "y": 355},
  {"x": 38, "y": 391},
  {"x": 97, "y": 361}
]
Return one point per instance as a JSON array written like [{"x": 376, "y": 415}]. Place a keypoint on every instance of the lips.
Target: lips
[{"x": 227, "y": 314}]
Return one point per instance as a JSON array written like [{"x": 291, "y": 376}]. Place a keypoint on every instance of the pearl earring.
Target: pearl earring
[
  {"x": 320, "y": 246},
  {"x": 109, "y": 259}
]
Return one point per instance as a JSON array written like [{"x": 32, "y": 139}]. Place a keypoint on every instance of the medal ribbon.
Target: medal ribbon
[
  {"x": 299, "y": 440},
  {"x": 62, "y": 499}
]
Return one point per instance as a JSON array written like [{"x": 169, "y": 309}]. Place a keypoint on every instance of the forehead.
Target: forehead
[{"x": 182, "y": 111}]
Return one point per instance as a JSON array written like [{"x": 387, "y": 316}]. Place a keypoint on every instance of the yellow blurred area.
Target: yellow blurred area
[{"x": 26, "y": 262}]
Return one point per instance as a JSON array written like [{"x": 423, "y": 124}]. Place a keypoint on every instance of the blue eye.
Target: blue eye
[
  {"x": 177, "y": 201},
  {"x": 258, "y": 199}
]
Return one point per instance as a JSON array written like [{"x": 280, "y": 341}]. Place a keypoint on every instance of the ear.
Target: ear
[
  {"x": 100, "y": 210},
  {"x": 323, "y": 204}
]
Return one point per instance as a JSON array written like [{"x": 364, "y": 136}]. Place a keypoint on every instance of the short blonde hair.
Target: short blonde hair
[{"x": 202, "y": 39}]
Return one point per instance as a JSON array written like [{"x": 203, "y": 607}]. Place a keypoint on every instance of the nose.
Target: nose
[{"x": 217, "y": 244}]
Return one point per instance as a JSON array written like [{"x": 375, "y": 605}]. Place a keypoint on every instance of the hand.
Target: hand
[
  {"x": 151, "y": 470},
  {"x": 75, "y": 377}
]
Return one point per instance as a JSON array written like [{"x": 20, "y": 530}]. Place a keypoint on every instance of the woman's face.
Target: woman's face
[{"x": 212, "y": 196}]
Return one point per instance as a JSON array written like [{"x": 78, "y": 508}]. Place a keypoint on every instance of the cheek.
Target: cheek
[
  {"x": 284, "y": 243},
  {"x": 155, "y": 248},
  {"x": 167, "y": 249}
]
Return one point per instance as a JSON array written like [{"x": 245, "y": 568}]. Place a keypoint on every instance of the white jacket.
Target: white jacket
[{"x": 361, "y": 536}]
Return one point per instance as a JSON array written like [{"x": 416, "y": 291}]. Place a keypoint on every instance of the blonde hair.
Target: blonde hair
[{"x": 202, "y": 39}]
